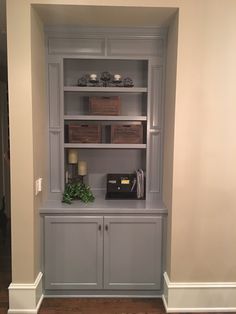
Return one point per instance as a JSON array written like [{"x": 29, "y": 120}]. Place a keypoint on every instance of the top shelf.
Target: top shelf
[{"x": 106, "y": 89}]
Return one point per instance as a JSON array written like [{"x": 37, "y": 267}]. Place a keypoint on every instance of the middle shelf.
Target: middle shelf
[
  {"x": 104, "y": 118},
  {"x": 104, "y": 145}
]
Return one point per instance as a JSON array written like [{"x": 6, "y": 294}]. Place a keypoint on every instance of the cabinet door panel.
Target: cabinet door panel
[
  {"x": 132, "y": 253},
  {"x": 73, "y": 252}
]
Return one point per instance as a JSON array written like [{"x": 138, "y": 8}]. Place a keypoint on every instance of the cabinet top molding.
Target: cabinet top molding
[
  {"x": 108, "y": 42},
  {"x": 108, "y": 31}
]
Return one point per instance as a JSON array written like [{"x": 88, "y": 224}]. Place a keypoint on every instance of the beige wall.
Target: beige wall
[
  {"x": 26, "y": 73},
  {"x": 169, "y": 124},
  {"x": 40, "y": 123},
  {"x": 21, "y": 141},
  {"x": 204, "y": 180},
  {"x": 204, "y": 184}
]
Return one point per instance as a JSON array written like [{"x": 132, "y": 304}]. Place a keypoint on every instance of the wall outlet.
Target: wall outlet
[{"x": 38, "y": 186}]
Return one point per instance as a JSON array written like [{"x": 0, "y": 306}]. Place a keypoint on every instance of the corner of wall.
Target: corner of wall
[
  {"x": 26, "y": 298},
  {"x": 198, "y": 297}
]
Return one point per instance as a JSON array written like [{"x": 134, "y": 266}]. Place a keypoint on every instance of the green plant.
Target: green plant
[{"x": 78, "y": 190}]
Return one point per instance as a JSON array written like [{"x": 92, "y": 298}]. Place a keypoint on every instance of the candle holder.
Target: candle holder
[
  {"x": 83, "y": 81},
  {"x": 93, "y": 83},
  {"x": 105, "y": 78},
  {"x": 72, "y": 173},
  {"x": 128, "y": 82},
  {"x": 81, "y": 178},
  {"x": 93, "y": 80},
  {"x": 117, "y": 82}
]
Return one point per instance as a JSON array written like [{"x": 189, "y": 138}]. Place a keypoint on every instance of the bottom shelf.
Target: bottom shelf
[
  {"x": 152, "y": 205},
  {"x": 101, "y": 162}
]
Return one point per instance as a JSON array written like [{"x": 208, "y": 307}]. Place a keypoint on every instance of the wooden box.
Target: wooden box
[
  {"x": 127, "y": 134},
  {"x": 104, "y": 106},
  {"x": 84, "y": 133}
]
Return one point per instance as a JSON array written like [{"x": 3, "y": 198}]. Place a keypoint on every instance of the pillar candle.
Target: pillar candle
[
  {"x": 82, "y": 168},
  {"x": 117, "y": 77},
  {"x": 93, "y": 77},
  {"x": 72, "y": 156}
]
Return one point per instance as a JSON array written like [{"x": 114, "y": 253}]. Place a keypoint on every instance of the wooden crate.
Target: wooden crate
[
  {"x": 127, "y": 134},
  {"x": 105, "y": 106},
  {"x": 84, "y": 133}
]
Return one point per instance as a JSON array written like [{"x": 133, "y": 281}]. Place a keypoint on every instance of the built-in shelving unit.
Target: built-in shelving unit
[
  {"x": 107, "y": 247},
  {"x": 134, "y": 110}
]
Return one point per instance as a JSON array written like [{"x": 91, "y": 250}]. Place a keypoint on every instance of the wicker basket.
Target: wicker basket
[
  {"x": 105, "y": 106},
  {"x": 84, "y": 133},
  {"x": 127, "y": 134}
]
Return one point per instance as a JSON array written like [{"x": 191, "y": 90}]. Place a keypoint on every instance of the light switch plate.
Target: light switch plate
[{"x": 38, "y": 186}]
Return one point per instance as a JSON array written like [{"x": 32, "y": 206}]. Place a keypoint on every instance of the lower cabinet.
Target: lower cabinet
[
  {"x": 73, "y": 257},
  {"x": 103, "y": 252}
]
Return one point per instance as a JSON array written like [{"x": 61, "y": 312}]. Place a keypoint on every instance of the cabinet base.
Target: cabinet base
[{"x": 103, "y": 294}]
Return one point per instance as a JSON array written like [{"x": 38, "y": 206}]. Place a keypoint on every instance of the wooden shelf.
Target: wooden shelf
[
  {"x": 86, "y": 89},
  {"x": 105, "y": 118},
  {"x": 105, "y": 145}
]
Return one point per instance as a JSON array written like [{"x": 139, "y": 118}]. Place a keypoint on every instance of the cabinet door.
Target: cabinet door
[
  {"x": 73, "y": 252},
  {"x": 132, "y": 252}
]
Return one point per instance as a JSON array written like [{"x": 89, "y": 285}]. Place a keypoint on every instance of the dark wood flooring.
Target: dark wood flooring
[
  {"x": 102, "y": 306},
  {"x": 75, "y": 305},
  {"x": 5, "y": 270}
]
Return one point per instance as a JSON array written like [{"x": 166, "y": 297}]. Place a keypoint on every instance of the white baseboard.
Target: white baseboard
[
  {"x": 199, "y": 297},
  {"x": 25, "y": 298}
]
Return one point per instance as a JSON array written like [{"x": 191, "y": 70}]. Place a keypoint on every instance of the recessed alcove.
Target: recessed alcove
[
  {"x": 91, "y": 39},
  {"x": 87, "y": 235}
]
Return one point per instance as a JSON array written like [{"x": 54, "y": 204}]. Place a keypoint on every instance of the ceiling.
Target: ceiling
[{"x": 104, "y": 16}]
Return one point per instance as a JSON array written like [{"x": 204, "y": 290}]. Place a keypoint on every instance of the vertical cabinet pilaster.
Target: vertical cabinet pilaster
[{"x": 55, "y": 126}]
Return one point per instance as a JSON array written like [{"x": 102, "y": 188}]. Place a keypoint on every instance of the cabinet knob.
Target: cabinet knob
[
  {"x": 106, "y": 227},
  {"x": 99, "y": 227}
]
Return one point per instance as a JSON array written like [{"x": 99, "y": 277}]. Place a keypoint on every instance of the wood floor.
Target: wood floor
[
  {"x": 75, "y": 305},
  {"x": 102, "y": 306},
  {"x": 5, "y": 271}
]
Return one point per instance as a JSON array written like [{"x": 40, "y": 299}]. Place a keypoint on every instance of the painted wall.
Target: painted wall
[
  {"x": 21, "y": 141},
  {"x": 204, "y": 180},
  {"x": 27, "y": 136},
  {"x": 40, "y": 123},
  {"x": 169, "y": 124}
]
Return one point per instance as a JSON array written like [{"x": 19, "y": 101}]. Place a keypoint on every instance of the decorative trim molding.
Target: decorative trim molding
[
  {"x": 74, "y": 31},
  {"x": 199, "y": 296},
  {"x": 26, "y": 298}
]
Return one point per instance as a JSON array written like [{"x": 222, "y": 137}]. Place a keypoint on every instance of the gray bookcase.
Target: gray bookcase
[
  {"x": 106, "y": 157},
  {"x": 106, "y": 247}
]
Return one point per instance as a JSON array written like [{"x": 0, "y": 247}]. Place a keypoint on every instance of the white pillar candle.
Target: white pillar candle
[
  {"x": 72, "y": 156},
  {"x": 117, "y": 77},
  {"x": 82, "y": 168},
  {"x": 93, "y": 77}
]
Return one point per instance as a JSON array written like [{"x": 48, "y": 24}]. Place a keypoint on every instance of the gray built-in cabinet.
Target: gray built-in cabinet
[
  {"x": 106, "y": 247},
  {"x": 110, "y": 252}
]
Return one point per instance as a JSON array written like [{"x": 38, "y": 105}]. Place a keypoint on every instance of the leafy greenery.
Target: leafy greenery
[{"x": 78, "y": 190}]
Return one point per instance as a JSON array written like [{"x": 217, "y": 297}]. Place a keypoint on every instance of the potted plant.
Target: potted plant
[{"x": 77, "y": 191}]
